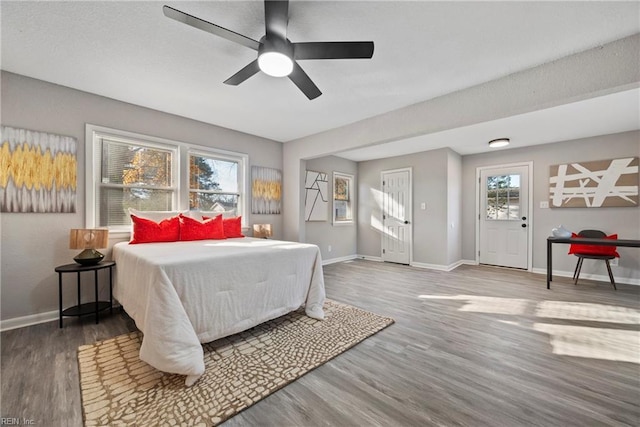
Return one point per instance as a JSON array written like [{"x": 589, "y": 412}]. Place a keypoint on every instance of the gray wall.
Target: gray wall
[
  {"x": 624, "y": 221},
  {"x": 454, "y": 207},
  {"x": 606, "y": 69},
  {"x": 433, "y": 186},
  {"x": 343, "y": 237},
  {"x": 34, "y": 244}
]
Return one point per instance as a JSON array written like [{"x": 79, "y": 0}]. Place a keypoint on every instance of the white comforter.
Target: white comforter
[{"x": 182, "y": 294}]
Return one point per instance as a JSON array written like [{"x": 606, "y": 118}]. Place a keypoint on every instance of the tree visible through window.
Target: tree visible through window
[
  {"x": 134, "y": 176},
  {"x": 213, "y": 183},
  {"x": 503, "y": 197}
]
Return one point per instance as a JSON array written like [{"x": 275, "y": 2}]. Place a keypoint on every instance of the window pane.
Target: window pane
[
  {"x": 211, "y": 202},
  {"x": 503, "y": 197},
  {"x": 343, "y": 210},
  {"x": 132, "y": 164},
  {"x": 115, "y": 203},
  {"x": 207, "y": 173}
]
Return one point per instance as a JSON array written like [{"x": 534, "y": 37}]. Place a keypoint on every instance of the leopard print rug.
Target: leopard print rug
[{"x": 118, "y": 389}]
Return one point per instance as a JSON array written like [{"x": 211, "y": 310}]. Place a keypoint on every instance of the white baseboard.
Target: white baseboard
[
  {"x": 340, "y": 259},
  {"x": 32, "y": 319},
  {"x": 369, "y": 258},
  {"x": 597, "y": 277}
]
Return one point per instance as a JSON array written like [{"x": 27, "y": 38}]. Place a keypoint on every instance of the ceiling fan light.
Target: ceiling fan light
[
  {"x": 500, "y": 142},
  {"x": 275, "y": 64}
]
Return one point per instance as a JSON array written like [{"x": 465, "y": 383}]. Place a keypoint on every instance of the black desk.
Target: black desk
[
  {"x": 583, "y": 241},
  {"x": 90, "y": 307}
]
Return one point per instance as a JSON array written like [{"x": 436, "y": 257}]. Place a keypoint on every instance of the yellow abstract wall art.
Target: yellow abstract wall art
[
  {"x": 266, "y": 190},
  {"x": 38, "y": 171}
]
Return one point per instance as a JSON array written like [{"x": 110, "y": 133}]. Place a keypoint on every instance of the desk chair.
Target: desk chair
[{"x": 605, "y": 253}]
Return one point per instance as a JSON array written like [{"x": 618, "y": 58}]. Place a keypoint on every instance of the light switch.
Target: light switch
[{"x": 423, "y": 206}]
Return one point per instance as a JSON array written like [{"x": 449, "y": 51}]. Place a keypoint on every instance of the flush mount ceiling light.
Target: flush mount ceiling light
[{"x": 500, "y": 142}]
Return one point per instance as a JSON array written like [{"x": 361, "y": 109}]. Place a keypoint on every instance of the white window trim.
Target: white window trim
[
  {"x": 93, "y": 133},
  {"x": 351, "y": 201}
]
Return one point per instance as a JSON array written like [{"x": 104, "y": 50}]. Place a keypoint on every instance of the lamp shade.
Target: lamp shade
[
  {"x": 88, "y": 238},
  {"x": 262, "y": 230}
]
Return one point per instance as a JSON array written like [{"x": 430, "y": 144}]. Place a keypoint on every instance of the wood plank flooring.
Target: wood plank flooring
[{"x": 478, "y": 346}]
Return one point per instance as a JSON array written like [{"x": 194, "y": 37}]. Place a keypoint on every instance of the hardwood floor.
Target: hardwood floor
[{"x": 478, "y": 346}]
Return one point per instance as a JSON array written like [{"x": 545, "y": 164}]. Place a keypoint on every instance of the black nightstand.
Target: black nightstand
[{"x": 89, "y": 307}]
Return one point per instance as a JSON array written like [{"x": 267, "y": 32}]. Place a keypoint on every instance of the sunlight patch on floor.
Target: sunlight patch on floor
[
  {"x": 595, "y": 343},
  {"x": 588, "y": 311},
  {"x": 567, "y": 340},
  {"x": 482, "y": 304}
]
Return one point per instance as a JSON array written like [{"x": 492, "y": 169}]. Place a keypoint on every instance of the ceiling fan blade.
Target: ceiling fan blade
[
  {"x": 203, "y": 25},
  {"x": 332, "y": 50},
  {"x": 243, "y": 74},
  {"x": 276, "y": 18},
  {"x": 304, "y": 83}
]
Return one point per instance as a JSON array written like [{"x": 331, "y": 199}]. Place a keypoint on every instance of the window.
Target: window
[
  {"x": 127, "y": 170},
  {"x": 342, "y": 198},
  {"x": 213, "y": 183},
  {"x": 503, "y": 197},
  {"x": 134, "y": 175}
]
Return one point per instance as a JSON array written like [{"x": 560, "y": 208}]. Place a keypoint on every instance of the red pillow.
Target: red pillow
[
  {"x": 192, "y": 229},
  {"x": 233, "y": 227},
  {"x": 147, "y": 231},
  {"x": 577, "y": 248}
]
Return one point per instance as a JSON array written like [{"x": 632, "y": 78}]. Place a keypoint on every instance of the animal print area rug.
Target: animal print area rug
[{"x": 118, "y": 389}]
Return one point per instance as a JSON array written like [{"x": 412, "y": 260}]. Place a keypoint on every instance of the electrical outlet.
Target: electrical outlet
[
  {"x": 544, "y": 205},
  {"x": 613, "y": 262}
]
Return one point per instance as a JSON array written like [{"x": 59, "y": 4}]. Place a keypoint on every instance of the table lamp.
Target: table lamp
[
  {"x": 88, "y": 239},
  {"x": 262, "y": 230}
]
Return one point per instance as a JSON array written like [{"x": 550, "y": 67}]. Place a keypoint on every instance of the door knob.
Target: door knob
[
  {"x": 406, "y": 222},
  {"x": 524, "y": 226},
  {"x": 524, "y": 218}
]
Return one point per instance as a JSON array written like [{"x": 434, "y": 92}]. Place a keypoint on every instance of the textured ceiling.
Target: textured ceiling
[{"x": 131, "y": 52}]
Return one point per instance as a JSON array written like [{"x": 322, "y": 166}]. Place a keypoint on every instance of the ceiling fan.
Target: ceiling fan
[{"x": 277, "y": 55}]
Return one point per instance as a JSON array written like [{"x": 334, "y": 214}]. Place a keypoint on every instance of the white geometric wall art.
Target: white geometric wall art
[
  {"x": 595, "y": 184},
  {"x": 316, "y": 197}
]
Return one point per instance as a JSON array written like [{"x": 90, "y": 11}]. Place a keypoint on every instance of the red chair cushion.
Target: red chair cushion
[{"x": 579, "y": 249}]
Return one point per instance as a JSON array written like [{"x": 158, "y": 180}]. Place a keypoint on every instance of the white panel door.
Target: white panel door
[
  {"x": 396, "y": 216},
  {"x": 504, "y": 233}
]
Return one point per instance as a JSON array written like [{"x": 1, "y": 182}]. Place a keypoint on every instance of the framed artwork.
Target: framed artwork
[
  {"x": 316, "y": 200},
  {"x": 266, "y": 190},
  {"x": 342, "y": 200},
  {"x": 38, "y": 171},
  {"x": 595, "y": 184}
]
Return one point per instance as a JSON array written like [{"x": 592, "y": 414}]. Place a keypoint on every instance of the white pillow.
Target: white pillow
[
  {"x": 155, "y": 216},
  {"x": 213, "y": 214}
]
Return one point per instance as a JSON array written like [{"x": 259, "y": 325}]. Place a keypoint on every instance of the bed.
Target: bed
[{"x": 185, "y": 293}]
